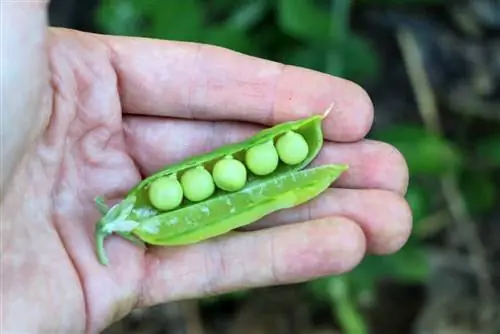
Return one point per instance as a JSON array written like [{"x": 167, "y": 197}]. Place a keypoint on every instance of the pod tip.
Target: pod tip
[{"x": 328, "y": 110}]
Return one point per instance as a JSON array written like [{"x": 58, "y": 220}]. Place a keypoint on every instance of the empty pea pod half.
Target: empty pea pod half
[{"x": 214, "y": 193}]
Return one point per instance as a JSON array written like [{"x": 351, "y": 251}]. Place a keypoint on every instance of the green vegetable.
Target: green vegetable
[
  {"x": 262, "y": 159},
  {"x": 197, "y": 184},
  {"x": 229, "y": 174},
  {"x": 210, "y": 210},
  {"x": 292, "y": 148},
  {"x": 237, "y": 209},
  {"x": 165, "y": 193}
]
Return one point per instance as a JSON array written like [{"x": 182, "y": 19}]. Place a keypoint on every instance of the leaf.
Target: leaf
[
  {"x": 230, "y": 38},
  {"x": 358, "y": 58},
  {"x": 119, "y": 17},
  {"x": 361, "y": 60},
  {"x": 308, "y": 57},
  {"x": 479, "y": 191},
  {"x": 301, "y": 19},
  {"x": 408, "y": 265},
  {"x": 488, "y": 150},
  {"x": 176, "y": 20},
  {"x": 418, "y": 200},
  {"x": 425, "y": 154},
  {"x": 247, "y": 15},
  {"x": 404, "y": 2}
]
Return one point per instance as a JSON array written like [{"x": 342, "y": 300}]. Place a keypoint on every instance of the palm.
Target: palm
[{"x": 90, "y": 149}]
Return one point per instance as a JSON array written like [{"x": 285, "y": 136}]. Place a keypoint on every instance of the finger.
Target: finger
[
  {"x": 279, "y": 255},
  {"x": 189, "y": 80},
  {"x": 154, "y": 143},
  {"x": 384, "y": 216}
]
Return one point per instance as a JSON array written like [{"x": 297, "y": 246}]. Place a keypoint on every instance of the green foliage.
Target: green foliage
[
  {"x": 479, "y": 191},
  {"x": 419, "y": 200},
  {"x": 425, "y": 153},
  {"x": 407, "y": 2},
  {"x": 298, "y": 33},
  {"x": 488, "y": 150},
  {"x": 301, "y": 19}
]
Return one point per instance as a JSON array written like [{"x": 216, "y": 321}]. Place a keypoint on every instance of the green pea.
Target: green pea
[
  {"x": 262, "y": 159},
  {"x": 197, "y": 184},
  {"x": 165, "y": 193},
  {"x": 223, "y": 214},
  {"x": 210, "y": 213},
  {"x": 229, "y": 174},
  {"x": 292, "y": 148}
]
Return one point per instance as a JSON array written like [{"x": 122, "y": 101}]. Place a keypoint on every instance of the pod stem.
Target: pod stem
[{"x": 100, "y": 236}]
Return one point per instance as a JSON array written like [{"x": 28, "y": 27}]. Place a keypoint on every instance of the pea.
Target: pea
[
  {"x": 292, "y": 148},
  {"x": 197, "y": 184},
  {"x": 209, "y": 213},
  {"x": 262, "y": 159},
  {"x": 229, "y": 174},
  {"x": 165, "y": 193},
  {"x": 233, "y": 211}
]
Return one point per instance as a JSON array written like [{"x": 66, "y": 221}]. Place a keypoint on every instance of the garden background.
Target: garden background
[{"x": 432, "y": 69}]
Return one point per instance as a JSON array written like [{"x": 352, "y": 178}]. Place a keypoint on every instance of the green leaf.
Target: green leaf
[
  {"x": 488, "y": 150},
  {"x": 247, "y": 15},
  {"x": 405, "y": 2},
  {"x": 230, "y": 38},
  {"x": 361, "y": 60},
  {"x": 176, "y": 20},
  {"x": 358, "y": 58},
  {"x": 302, "y": 19},
  {"x": 308, "y": 57},
  {"x": 419, "y": 201},
  {"x": 408, "y": 265},
  {"x": 479, "y": 191},
  {"x": 119, "y": 17},
  {"x": 425, "y": 153}
]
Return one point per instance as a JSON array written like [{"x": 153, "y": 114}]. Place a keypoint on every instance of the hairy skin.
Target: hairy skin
[{"x": 86, "y": 115}]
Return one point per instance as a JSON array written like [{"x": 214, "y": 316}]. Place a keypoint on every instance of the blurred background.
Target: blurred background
[{"x": 432, "y": 68}]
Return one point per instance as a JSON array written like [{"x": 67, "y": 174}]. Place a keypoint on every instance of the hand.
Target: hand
[{"x": 123, "y": 107}]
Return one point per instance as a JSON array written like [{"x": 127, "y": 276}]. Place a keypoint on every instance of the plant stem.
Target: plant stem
[{"x": 100, "y": 236}]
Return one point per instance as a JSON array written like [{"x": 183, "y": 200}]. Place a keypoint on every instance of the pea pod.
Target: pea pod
[{"x": 288, "y": 185}]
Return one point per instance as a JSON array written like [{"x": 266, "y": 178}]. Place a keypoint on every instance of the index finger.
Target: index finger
[{"x": 190, "y": 80}]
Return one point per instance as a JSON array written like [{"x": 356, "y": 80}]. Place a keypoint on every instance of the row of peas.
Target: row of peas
[{"x": 229, "y": 174}]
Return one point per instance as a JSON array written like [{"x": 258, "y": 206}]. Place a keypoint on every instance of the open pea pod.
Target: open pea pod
[{"x": 138, "y": 220}]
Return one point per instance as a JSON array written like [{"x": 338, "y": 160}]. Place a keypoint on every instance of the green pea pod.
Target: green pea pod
[
  {"x": 222, "y": 214},
  {"x": 136, "y": 219}
]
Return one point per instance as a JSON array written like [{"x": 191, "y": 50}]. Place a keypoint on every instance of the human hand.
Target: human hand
[{"x": 124, "y": 107}]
